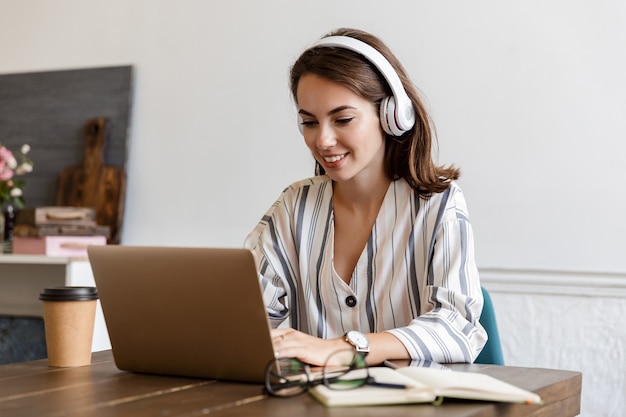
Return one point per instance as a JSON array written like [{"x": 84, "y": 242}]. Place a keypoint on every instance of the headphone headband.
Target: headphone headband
[{"x": 397, "y": 113}]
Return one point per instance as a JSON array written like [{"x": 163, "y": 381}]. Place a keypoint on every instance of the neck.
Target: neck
[{"x": 361, "y": 197}]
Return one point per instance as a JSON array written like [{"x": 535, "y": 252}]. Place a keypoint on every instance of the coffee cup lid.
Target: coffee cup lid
[{"x": 69, "y": 294}]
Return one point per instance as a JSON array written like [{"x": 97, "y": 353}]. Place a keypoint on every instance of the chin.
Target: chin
[{"x": 339, "y": 177}]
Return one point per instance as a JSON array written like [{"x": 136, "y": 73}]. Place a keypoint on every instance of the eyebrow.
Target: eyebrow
[{"x": 330, "y": 113}]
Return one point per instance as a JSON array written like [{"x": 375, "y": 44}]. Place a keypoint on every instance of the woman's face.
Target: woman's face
[{"x": 341, "y": 129}]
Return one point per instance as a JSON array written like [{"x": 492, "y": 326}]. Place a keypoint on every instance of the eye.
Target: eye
[
  {"x": 308, "y": 123},
  {"x": 344, "y": 120}
]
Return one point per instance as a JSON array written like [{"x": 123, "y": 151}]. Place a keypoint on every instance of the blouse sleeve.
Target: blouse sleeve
[
  {"x": 275, "y": 257},
  {"x": 447, "y": 329}
]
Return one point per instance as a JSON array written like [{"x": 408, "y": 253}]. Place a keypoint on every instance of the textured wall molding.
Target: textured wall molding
[{"x": 565, "y": 283}]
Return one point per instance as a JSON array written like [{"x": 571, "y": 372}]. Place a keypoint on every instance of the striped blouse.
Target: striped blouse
[{"x": 416, "y": 277}]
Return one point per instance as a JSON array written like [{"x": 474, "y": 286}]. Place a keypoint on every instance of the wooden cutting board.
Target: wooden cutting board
[{"x": 93, "y": 184}]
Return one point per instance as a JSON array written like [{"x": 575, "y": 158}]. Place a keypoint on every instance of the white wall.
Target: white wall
[{"x": 528, "y": 98}]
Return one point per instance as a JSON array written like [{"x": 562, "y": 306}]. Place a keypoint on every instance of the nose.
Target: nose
[{"x": 325, "y": 137}]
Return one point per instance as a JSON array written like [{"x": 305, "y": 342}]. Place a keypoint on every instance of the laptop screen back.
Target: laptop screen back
[{"x": 195, "y": 312}]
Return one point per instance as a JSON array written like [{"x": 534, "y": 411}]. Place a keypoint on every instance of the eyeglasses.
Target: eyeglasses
[{"x": 343, "y": 370}]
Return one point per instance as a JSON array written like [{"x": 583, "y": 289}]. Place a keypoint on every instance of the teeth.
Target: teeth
[{"x": 333, "y": 158}]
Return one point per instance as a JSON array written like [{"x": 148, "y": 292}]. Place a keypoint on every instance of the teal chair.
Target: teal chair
[{"x": 492, "y": 352}]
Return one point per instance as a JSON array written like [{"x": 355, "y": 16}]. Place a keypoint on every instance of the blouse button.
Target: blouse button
[{"x": 351, "y": 301}]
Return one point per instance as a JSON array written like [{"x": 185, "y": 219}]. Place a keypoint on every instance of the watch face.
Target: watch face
[{"x": 357, "y": 338}]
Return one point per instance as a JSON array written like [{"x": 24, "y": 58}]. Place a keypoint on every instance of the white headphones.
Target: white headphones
[{"x": 397, "y": 115}]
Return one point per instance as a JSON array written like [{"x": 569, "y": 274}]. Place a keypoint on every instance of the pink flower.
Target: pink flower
[
  {"x": 7, "y": 156},
  {"x": 4, "y": 152},
  {"x": 6, "y": 173}
]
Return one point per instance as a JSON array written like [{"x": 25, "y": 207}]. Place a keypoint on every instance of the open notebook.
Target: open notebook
[
  {"x": 194, "y": 312},
  {"x": 423, "y": 385}
]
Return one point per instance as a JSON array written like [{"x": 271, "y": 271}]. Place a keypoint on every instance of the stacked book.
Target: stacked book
[{"x": 57, "y": 231}]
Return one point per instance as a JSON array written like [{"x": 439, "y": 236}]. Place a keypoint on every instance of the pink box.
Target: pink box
[{"x": 69, "y": 246}]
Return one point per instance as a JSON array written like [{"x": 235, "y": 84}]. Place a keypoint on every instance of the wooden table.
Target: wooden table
[{"x": 34, "y": 389}]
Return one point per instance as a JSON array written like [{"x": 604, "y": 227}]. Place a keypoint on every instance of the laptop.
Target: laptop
[{"x": 192, "y": 312}]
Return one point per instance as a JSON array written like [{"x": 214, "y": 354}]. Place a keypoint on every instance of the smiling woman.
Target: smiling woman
[{"x": 374, "y": 253}]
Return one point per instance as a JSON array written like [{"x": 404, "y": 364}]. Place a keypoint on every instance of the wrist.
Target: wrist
[{"x": 342, "y": 343}]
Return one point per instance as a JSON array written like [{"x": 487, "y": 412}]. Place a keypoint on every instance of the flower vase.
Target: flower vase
[
  {"x": 7, "y": 218},
  {"x": 2, "y": 231}
]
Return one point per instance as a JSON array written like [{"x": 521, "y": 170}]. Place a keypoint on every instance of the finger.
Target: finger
[
  {"x": 277, "y": 333},
  {"x": 279, "y": 336}
]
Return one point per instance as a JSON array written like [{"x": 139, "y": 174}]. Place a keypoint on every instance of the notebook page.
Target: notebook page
[{"x": 470, "y": 385}]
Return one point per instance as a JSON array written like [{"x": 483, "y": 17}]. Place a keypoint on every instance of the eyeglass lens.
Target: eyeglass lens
[
  {"x": 286, "y": 377},
  {"x": 343, "y": 370}
]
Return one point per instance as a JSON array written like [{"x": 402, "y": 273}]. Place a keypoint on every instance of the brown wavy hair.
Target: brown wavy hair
[{"x": 408, "y": 156}]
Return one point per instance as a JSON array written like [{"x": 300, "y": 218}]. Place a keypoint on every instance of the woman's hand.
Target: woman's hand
[{"x": 290, "y": 343}]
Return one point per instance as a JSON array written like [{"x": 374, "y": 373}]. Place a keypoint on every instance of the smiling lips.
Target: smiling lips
[{"x": 335, "y": 158}]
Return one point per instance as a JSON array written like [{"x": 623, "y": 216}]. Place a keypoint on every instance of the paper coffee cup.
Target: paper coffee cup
[{"x": 69, "y": 314}]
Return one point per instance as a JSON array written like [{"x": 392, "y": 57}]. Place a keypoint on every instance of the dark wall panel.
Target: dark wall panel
[{"x": 48, "y": 110}]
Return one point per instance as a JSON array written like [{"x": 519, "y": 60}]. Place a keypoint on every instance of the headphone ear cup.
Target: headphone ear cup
[
  {"x": 383, "y": 116},
  {"x": 404, "y": 118},
  {"x": 387, "y": 116},
  {"x": 393, "y": 121}
]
